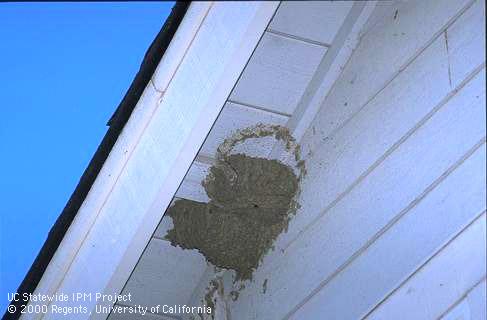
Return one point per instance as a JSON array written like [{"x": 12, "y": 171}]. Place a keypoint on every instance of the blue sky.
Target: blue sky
[{"x": 64, "y": 67}]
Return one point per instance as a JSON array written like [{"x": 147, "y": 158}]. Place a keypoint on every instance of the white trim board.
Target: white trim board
[{"x": 154, "y": 151}]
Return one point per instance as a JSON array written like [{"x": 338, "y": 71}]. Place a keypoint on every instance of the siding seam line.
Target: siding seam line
[
  {"x": 298, "y": 38},
  {"x": 462, "y": 298},
  {"x": 251, "y": 106}
]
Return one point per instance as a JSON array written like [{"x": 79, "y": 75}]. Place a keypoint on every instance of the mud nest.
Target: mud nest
[{"x": 250, "y": 204}]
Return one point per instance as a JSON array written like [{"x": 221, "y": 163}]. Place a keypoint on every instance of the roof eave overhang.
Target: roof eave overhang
[{"x": 156, "y": 132}]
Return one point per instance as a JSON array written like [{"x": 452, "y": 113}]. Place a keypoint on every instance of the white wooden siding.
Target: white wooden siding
[
  {"x": 405, "y": 246},
  {"x": 395, "y": 159},
  {"x": 392, "y": 145},
  {"x": 383, "y": 52},
  {"x": 278, "y": 73},
  {"x": 345, "y": 156},
  {"x": 315, "y": 21},
  {"x": 442, "y": 281},
  {"x": 398, "y": 183}
]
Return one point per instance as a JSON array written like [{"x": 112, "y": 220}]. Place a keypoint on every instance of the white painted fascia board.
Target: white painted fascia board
[
  {"x": 155, "y": 149},
  {"x": 184, "y": 36}
]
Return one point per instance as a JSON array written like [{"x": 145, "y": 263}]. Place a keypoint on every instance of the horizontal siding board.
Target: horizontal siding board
[
  {"x": 466, "y": 42},
  {"x": 277, "y": 74},
  {"x": 407, "y": 245},
  {"x": 381, "y": 54},
  {"x": 314, "y": 20},
  {"x": 386, "y": 191},
  {"x": 442, "y": 281}
]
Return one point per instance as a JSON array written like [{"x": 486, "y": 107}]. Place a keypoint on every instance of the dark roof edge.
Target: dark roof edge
[{"x": 116, "y": 124}]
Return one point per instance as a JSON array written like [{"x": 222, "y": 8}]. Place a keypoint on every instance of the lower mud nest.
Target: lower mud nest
[{"x": 250, "y": 204}]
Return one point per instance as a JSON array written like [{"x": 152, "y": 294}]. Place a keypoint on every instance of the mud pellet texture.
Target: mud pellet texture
[{"x": 250, "y": 204}]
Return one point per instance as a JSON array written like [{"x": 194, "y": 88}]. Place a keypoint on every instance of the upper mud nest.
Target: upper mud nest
[{"x": 250, "y": 203}]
